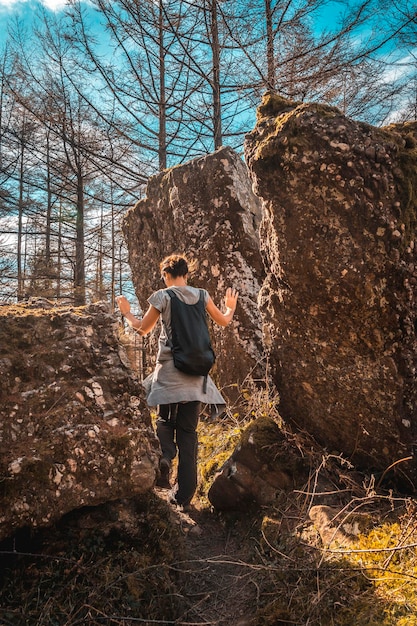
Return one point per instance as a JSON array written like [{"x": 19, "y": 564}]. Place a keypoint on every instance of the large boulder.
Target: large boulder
[
  {"x": 338, "y": 240},
  {"x": 74, "y": 429},
  {"x": 207, "y": 209},
  {"x": 265, "y": 462}
]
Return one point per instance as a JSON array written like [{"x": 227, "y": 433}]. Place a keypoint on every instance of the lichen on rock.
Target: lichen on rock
[{"x": 338, "y": 241}]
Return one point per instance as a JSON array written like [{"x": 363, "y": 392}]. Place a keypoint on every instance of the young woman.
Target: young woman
[{"x": 178, "y": 396}]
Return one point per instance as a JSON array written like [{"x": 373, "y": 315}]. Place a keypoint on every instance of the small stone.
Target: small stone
[
  {"x": 196, "y": 531},
  {"x": 15, "y": 467}
]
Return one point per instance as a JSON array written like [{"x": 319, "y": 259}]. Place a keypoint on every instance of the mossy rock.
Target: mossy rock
[{"x": 273, "y": 104}]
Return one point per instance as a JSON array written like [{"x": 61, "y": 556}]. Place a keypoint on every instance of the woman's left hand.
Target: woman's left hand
[{"x": 230, "y": 300}]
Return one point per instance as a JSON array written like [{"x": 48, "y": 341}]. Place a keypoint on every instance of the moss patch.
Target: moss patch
[
  {"x": 372, "y": 582},
  {"x": 217, "y": 440},
  {"x": 273, "y": 105}
]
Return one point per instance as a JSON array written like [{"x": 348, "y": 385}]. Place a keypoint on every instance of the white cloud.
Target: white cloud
[
  {"x": 8, "y": 3},
  {"x": 400, "y": 68},
  {"x": 53, "y": 5}
]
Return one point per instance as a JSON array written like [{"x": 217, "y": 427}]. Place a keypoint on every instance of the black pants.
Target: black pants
[{"x": 176, "y": 428}]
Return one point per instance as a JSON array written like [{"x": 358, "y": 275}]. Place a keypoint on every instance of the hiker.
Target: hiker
[{"x": 177, "y": 395}]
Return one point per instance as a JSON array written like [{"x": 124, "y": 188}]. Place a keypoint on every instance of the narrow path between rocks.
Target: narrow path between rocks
[{"x": 219, "y": 587}]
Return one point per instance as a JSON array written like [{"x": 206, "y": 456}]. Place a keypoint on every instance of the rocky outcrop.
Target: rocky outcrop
[
  {"x": 205, "y": 208},
  {"x": 264, "y": 463},
  {"x": 338, "y": 527},
  {"x": 74, "y": 429},
  {"x": 338, "y": 240}
]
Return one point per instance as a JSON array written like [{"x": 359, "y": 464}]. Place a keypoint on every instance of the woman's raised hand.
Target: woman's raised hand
[
  {"x": 123, "y": 304},
  {"x": 230, "y": 300}
]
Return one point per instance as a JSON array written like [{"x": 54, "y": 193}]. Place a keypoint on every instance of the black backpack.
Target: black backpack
[{"x": 191, "y": 346}]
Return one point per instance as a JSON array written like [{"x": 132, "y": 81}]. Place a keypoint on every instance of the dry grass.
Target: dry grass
[
  {"x": 133, "y": 563},
  {"x": 370, "y": 579}
]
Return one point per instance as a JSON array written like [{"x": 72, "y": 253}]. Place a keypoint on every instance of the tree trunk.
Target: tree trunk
[
  {"x": 48, "y": 206},
  {"x": 215, "y": 47},
  {"x": 20, "y": 278},
  {"x": 270, "y": 47},
  {"x": 79, "y": 270},
  {"x": 113, "y": 251},
  {"x": 100, "y": 291},
  {"x": 59, "y": 244},
  {"x": 162, "y": 149}
]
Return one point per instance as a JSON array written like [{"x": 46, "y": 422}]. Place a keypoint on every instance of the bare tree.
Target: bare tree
[
  {"x": 152, "y": 83},
  {"x": 402, "y": 20},
  {"x": 71, "y": 147},
  {"x": 288, "y": 47},
  {"x": 85, "y": 120}
]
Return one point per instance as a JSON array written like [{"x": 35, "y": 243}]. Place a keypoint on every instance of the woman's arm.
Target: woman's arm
[
  {"x": 143, "y": 326},
  {"x": 230, "y": 302}
]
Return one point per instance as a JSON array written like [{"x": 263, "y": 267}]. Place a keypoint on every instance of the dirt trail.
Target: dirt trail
[{"x": 219, "y": 587}]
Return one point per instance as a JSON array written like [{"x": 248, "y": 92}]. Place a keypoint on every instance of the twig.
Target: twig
[
  {"x": 363, "y": 550},
  {"x": 404, "y": 538},
  {"x": 407, "y": 458},
  {"x": 153, "y": 621},
  {"x": 321, "y": 493}
]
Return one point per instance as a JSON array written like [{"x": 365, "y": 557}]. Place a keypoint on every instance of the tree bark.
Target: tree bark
[
  {"x": 79, "y": 268},
  {"x": 162, "y": 133},
  {"x": 270, "y": 56},
  {"x": 20, "y": 277},
  {"x": 215, "y": 47}
]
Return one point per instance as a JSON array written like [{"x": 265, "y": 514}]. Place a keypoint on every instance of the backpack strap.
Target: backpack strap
[
  {"x": 205, "y": 377},
  {"x": 168, "y": 341}
]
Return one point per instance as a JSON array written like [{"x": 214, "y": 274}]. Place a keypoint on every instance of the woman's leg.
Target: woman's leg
[
  {"x": 186, "y": 431},
  {"x": 165, "y": 430}
]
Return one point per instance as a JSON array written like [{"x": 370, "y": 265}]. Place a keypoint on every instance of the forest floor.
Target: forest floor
[
  {"x": 219, "y": 586},
  {"x": 133, "y": 562},
  {"x": 143, "y": 561}
]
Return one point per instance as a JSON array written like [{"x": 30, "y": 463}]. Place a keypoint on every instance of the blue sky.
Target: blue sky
[{"x": 23, "y": 9}]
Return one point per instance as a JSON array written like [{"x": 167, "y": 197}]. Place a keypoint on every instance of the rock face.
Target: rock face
[
  {"x": 338, "y": 239},
  {"x": 338, "y": 527},
  {"x": 264, "y": 463},
  {"x": 205, "y": 208},
  {"x": 73, "y": 428}
]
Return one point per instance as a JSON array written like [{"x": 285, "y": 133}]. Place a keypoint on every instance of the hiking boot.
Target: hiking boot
[
  {"x": 186, "y": 507},
  {"x": 163, "y": 478}
]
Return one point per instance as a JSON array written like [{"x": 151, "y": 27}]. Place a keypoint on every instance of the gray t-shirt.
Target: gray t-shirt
[
  {"x": 162, "y": 301},
  {"x": 167, "y": 384}
]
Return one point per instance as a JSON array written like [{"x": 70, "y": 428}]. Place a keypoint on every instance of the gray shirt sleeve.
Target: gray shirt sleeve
[{"x": 159, "y": 300}]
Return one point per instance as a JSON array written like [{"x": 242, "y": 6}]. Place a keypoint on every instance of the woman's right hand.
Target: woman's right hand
[{"x": 123, "y": 304}]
